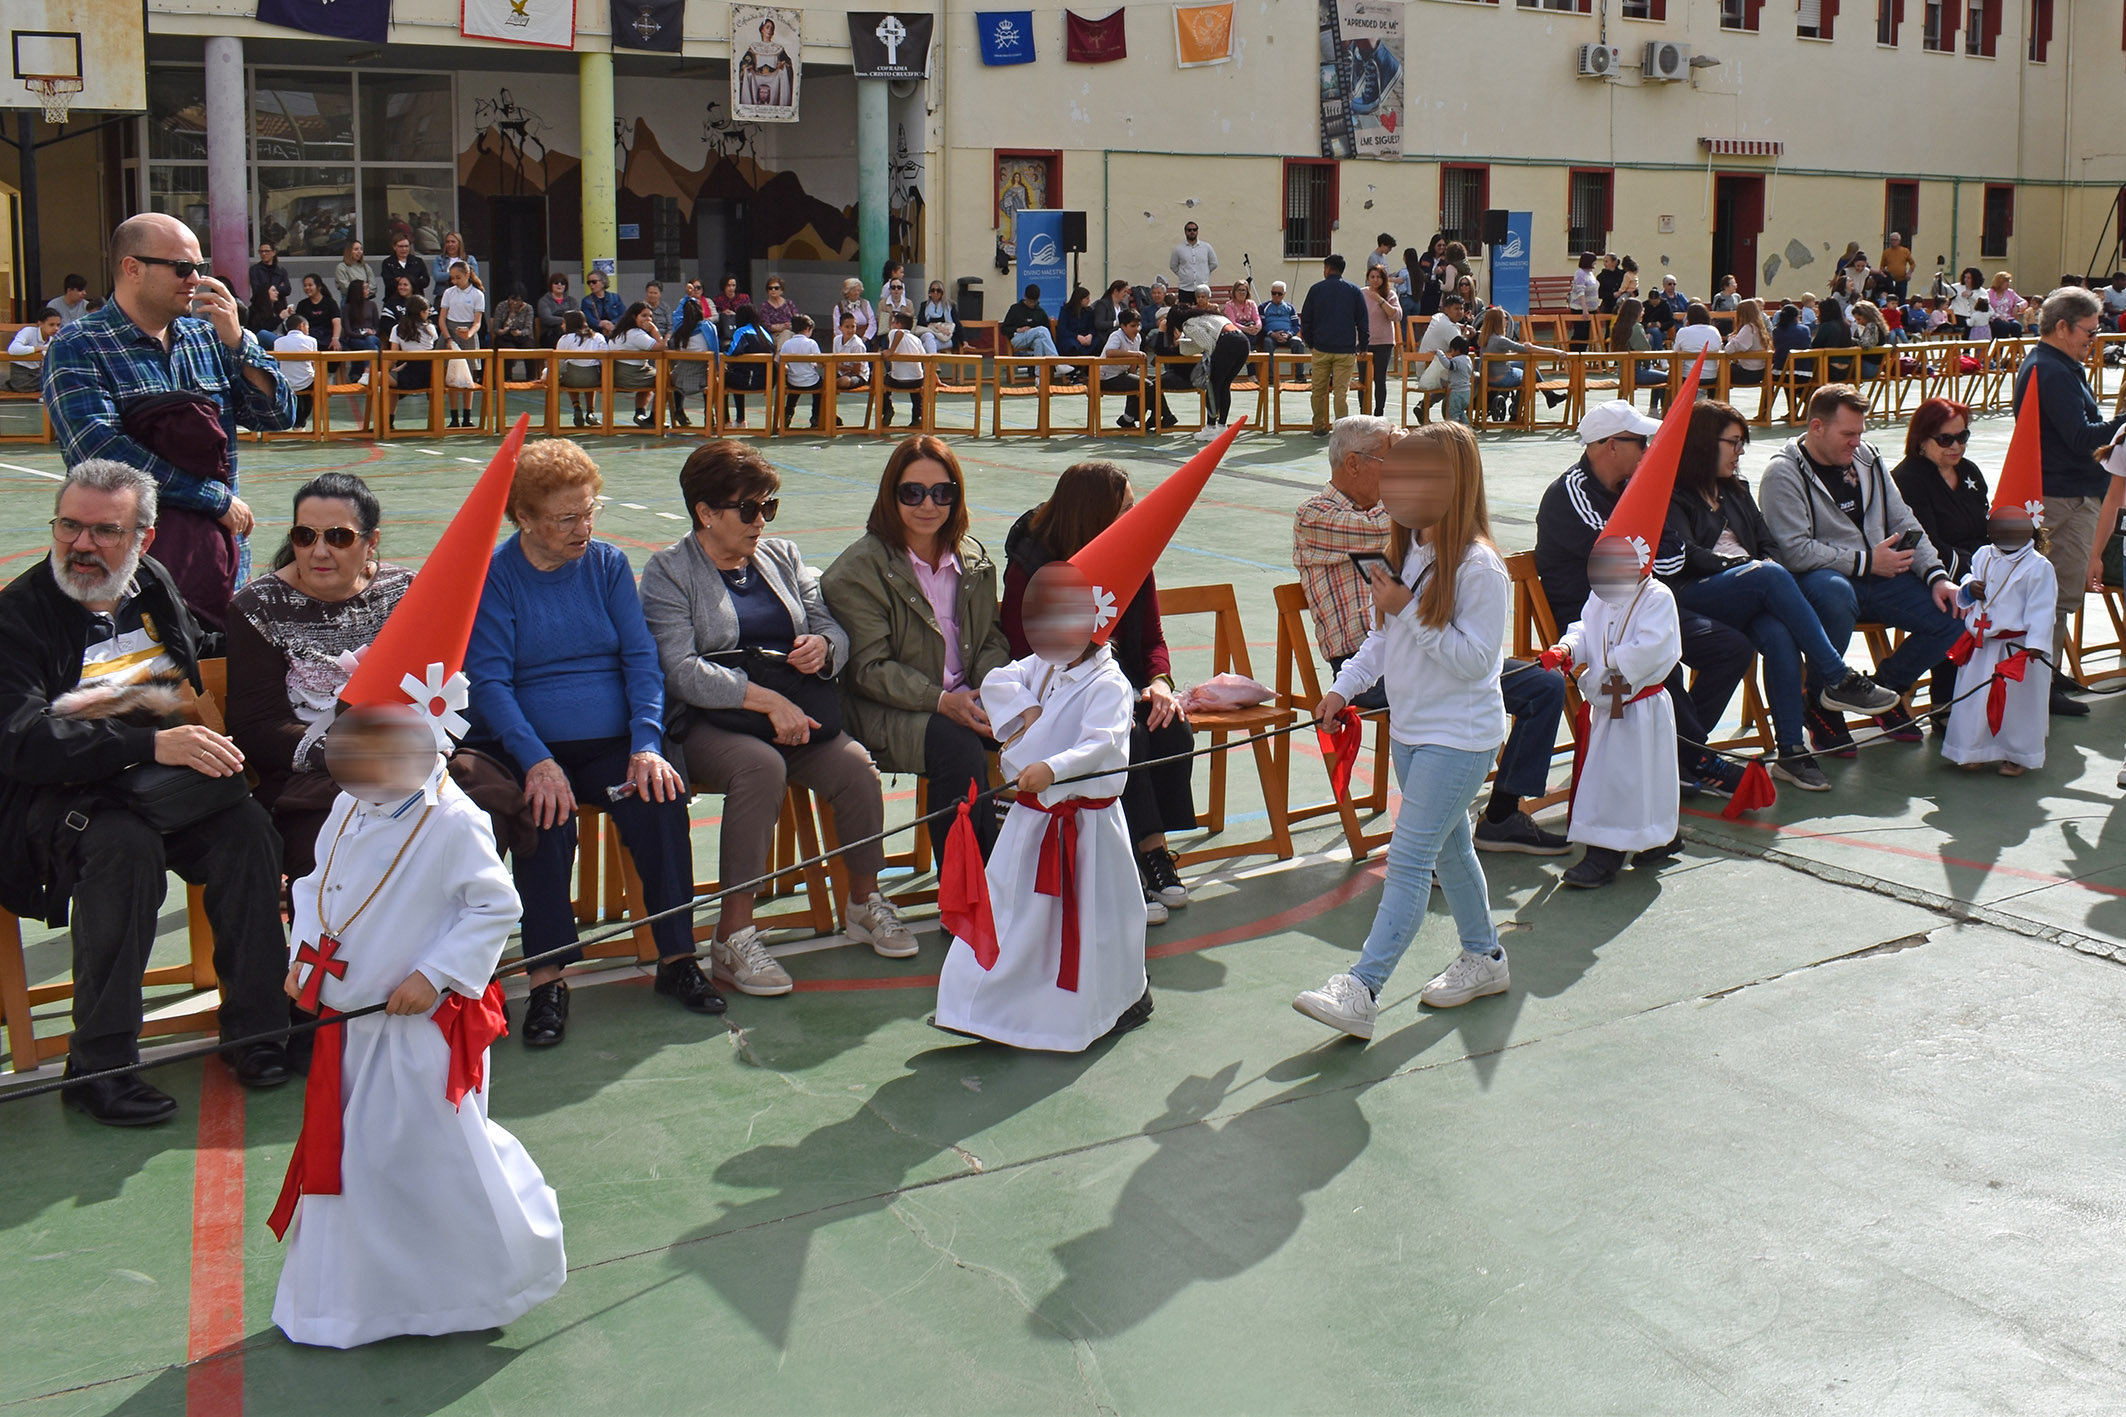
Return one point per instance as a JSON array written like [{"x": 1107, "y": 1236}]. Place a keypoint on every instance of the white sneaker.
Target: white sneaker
[
  {"x": 1155, "y": 913},
  {"x": 873, "y": 923},
  {"x": 1342, "y": 1003},
  {"x": 1207, "y": 432},
  {"x": 1469, "y": 977},
  {"x": 744, "y": 963}
]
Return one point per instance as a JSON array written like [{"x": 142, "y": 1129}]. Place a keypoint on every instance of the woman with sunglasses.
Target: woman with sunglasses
[
  {"x": 749, "y": 652},
  {"x": 775, "y": 313},
  {"x": 938, "y": 322},
  {"x": 1727, "y": 572},
  {"x": 565, "y": 690},
  {"x": 917, "y": 597},
  {"x": 1948, "y": 496},
  {"x": 326, "y": 596}
]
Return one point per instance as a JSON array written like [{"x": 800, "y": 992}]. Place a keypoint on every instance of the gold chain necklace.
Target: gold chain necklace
[{"x": 340, "y": 932}]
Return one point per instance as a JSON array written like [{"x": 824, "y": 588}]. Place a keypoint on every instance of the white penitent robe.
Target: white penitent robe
[
  {"x": 1625, "y": 796},
  {"x": 1084, "y": 726},
  {"x": 2021, "y": 590},
  {"x": 443, "y": 1223}
]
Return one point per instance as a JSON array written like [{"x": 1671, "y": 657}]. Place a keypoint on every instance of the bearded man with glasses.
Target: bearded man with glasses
[
  {"x": 93, "y": 644},
  {"x": 168, "y": 331}
]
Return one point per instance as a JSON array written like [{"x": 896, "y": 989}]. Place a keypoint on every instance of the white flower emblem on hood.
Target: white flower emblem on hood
[{"x": 440, "y": 698}]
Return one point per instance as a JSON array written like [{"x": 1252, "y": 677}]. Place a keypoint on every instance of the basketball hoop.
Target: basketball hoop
[{"x": 55, "y": 92}]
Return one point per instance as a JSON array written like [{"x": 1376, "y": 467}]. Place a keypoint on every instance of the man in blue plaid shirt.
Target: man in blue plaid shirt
[{"x": 167, "y": 326}]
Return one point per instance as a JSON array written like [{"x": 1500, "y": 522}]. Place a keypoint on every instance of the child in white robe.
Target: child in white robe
[
  {"x": 1056, "y": 721},
  {"x": 440, "y": 1222},
  {"x": 1625, "y": 797},
  {"x": 2007, "y": 601}
]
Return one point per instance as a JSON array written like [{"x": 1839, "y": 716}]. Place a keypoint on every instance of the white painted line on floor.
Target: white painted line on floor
[
  {"x": 671, "y": 516},
  {"x": 474, "y": 461},
  {"x": 430, "y": 451},
  {"x": 634, "y": 506},
  {"x": 33, "y": 471}
]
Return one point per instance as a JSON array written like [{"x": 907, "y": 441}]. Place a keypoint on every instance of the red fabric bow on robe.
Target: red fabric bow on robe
[
  {"x": 2013, "y": 667},
  {"x": 1342, "y": 747},
  {"x": 1057, "y": 873},
  {"x": 469, "y": 1026},
  {"x": 963, "y": 889}
]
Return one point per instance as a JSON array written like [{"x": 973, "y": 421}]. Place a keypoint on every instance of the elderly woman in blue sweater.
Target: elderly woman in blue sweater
[{"x": 566, "y": 687}]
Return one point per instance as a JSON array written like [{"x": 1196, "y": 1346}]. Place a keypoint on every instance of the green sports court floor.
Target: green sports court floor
[{"x": 1825, "y": 1117}]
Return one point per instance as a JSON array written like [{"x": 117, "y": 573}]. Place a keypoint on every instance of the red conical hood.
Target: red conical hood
[
  {"x": 418, "y": 656},
  {"x": 2021, "y": 485},
  {"x": 1118, "y": 559},
  {"x": 1642, "y": 508}
]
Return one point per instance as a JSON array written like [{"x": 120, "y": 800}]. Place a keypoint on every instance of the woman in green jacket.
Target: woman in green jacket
[{"x": 918, "y": 598}]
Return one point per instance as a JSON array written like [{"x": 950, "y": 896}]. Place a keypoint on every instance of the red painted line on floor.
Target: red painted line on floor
[
  {"x": 1330, "y": 899},
  {"x": 1908, "y": 852},
  {"x": 214, "y": 1379}
]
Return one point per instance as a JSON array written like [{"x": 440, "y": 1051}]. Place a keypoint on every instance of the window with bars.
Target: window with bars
[
  {"x": 1900, "y": 210},
  {"x": 1889, "y": 19},
  {"x": 1942, "y": 17},
  {"x": 1998, "y": 222},
  {"x": 1587, "y": 210},
  {"x": 1463, "y": 193},
  {"x": 1982, "y": 28},
  {"x": 2040, "y": 30},
  {"x": 1309, "y": 208},
  {"x": 1813, "y": 19},
  {"x": 1580, "y": 7},
  {"x": 1740, "y": 14}
]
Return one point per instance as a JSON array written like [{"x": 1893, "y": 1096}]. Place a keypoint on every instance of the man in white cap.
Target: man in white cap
[{"x": 1574, "y": 509}]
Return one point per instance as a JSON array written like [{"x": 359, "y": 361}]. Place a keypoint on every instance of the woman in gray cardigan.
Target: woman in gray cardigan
[{"x": 726, "y": 605}]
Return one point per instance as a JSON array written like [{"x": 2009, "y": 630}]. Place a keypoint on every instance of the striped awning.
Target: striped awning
[{"x": 1742, "y": 147}]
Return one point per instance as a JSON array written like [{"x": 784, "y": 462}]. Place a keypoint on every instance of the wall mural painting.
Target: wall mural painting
[
  {"x": 515, "y": 138},
  {"x": 904, "y": 234}
]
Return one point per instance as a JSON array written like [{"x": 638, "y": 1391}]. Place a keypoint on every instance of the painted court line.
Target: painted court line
[
  {"x": 33, "y": 472},
  {"x": 1908, "y": 853},
  {"x": 214, "y": 1385}
]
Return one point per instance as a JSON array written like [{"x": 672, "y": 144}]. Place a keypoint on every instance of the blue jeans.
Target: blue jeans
[
  {"x": 1763, "y": 599},
  {"x": 1034, "y": 339},
  {"x": 1900, "y": 601},
  {"x": 1431, "y": 835}
]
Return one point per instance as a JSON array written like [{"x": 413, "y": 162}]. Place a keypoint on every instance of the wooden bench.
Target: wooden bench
[
  {"x": 1549, "y": 294},
  {"x": 1229, "y": 652}
]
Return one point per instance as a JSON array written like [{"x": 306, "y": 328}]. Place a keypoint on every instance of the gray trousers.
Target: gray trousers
[
  {"x": 752, "y": 775},
  {"x": 2071, "y": 522}
]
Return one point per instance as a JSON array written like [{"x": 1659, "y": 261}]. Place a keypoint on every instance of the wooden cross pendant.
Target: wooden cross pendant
[
  {"x": 1618, "y": 689},
  {"x": 320, "y": 958}
]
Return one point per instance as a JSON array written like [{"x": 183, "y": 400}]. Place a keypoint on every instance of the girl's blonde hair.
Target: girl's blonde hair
[
  {"x": 1467, "y": 521},
  {"x": 1751, "y": 312}
]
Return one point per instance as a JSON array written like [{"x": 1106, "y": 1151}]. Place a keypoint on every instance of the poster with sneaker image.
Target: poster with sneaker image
[{"x": 1361, "y": 78}]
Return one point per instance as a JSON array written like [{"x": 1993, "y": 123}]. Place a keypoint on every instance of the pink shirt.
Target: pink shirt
[{"x": 941, "y": 588}]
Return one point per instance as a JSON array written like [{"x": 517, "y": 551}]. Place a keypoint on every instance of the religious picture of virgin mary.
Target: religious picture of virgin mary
[{"x": 767, "y": 61}]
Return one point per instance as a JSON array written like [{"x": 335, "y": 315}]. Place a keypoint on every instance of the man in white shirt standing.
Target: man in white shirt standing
[{"x": 1192, "y": 261}]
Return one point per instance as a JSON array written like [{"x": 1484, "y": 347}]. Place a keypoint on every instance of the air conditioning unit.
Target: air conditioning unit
[
  {"x": 1665, "y": 62},
  {"x": 1600, "y": 61}
]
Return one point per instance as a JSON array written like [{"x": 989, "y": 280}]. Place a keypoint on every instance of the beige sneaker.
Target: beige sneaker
[
  {"x": 744, "y": 963},
  {"x": 873, "y": 923}
]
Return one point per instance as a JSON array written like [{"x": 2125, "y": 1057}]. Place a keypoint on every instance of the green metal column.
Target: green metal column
[
  {"x": 594, "y": 84},
  {"x": 874, "y": 162}
]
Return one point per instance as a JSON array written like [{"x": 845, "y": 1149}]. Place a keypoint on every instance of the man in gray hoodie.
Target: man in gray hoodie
[{"x": 1858, "y": 552}]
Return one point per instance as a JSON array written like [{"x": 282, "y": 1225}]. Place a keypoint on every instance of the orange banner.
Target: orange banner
[{"x": 1203, "y": 34}]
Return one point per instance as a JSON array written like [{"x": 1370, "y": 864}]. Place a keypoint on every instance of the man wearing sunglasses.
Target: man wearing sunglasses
[{"x": 168, "y": 327}]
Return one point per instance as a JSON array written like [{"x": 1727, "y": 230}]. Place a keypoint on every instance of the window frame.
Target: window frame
[
  {"x": 1656, "y": 11},
  {"x": 1982, "y": 40},
  {"x": 1890, "y": 15},
  {"x": 1609, "y": 208},
  {"x": 1952, "y": 16},
  {"x": 1889, "y": 208},
  {"x": 1826, "y": 22},
  {"x": 1473, "y": 242},
  {"x": 2040, "y": 47},
  {"x": 1284, "y": 204},
  {"x": 1998, "y": 251},
  {"x": 1751, "y": 14}
]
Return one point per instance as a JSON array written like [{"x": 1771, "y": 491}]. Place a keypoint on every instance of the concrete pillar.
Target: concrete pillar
[
  {"x": 874, "y": 165},
  {"x": 594, "y": 87},
  {"x": 228, "y": 165}
]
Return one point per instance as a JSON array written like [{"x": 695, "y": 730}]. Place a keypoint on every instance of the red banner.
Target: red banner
[{"x": 1093, "y": 41}]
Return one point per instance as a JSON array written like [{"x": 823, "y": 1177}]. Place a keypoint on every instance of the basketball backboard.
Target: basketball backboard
[{"x": 103, "y": 43}]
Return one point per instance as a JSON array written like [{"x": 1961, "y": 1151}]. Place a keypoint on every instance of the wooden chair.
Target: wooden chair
[
  {"x": 389, "y": 395},
  {"x": 1136, "y": 378},
  {"x": 2079, "y": 648},
  {"x": 1229, "y": 652},
  {"x": 38, "y": 427},
  {"x": 1254, "y": 378},
  {"x": 1299, "y": 689},
  {"x": 1288, "y": 382},
  {"x": 601, "y": 861},
  {"x": 1176, "y": 393},
  {"x": 547, "y": 364},
  {"x": 954, "y": 375},
  {"x": 1019, "y": 378},
  {"x": 359, "y": 393},
  {"x": 725, "y": 425},
  {"x": 1536, "y": 629}
]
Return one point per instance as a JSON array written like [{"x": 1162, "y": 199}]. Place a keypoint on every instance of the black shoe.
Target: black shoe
[
  {"x": 1169, "y": 420},
  {"x": 1857, "y": 693},
  {"x": 1828, "y": 735},
  {"x": 684, "y": 981},
  {"x": 546, "y": 1015},
  {"x": 120, "y": 1102},
  {"x": 261, "y": 1065},
  {"x": 679, "y": 416},
  {"x": 1899, "y": 724},
  {"x": 1717, "y": 776},
  {"x": 1597, "y": 868},
  {"x": 1125, "y": 421},
  {"x": 1659, "y": 855},
  {"x": 1800, "y": 770},
  {"x": 1519, "y": 833},
  {"x": 642, "y": 420},
  {"x": 2064, "y": 705},
  {"x": 1161, "y": 881},
  {"x": 1135, "y": 1016}
]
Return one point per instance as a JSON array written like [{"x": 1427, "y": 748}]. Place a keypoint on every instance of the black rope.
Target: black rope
[{"x": 624, "y": 928}]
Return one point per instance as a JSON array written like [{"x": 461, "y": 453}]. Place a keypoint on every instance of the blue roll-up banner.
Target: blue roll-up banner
[
  {"x": 1509, "y": 264},
  {"x": 1042, "y": 262}
]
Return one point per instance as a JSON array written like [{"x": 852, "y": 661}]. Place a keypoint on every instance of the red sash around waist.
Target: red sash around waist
[{"x": 1057, "y": 874}]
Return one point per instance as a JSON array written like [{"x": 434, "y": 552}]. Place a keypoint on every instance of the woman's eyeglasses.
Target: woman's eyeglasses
[
  {"x": 339, "y": 538},
  {"x": 911, "y": 494},
  {"x": 752, "y": 509},
  {"x": 1952, "y": 440}
]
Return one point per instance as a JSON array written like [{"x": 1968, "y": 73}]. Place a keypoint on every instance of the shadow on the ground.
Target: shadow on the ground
[{"x": 402, "y": 1377}]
